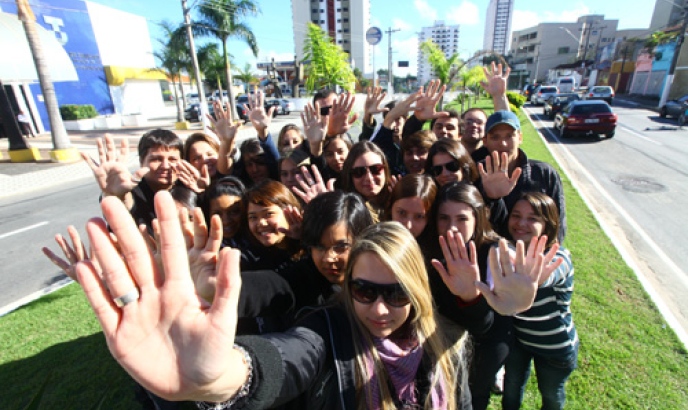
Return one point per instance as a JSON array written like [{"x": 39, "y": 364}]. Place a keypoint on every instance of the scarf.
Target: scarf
[{"x": 401, "y": 360}]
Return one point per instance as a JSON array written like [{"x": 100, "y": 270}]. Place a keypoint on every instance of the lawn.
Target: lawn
[{"x": 629, "y": 358}]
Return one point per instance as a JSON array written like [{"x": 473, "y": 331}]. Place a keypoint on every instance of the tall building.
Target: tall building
[
  {"x": 446, "y": 37},
  {"x": 667, "y": 14},
  {"x": 498, "y": 26},
  {"x": 345, "y": 21}
]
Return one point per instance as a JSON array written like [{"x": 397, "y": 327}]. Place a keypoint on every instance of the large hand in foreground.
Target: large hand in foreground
[
  {"x": 167, "y": 340},
  {"x": 515, "y": 285},
  {"x": 462, "y": 271}
]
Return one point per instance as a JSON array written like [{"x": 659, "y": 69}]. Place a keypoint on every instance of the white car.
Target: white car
[
  {"x": 192, "y": 98},
  {"x": 287, "y": 106},
  {"x": 542, "y": 93},
  {"x": 600, "y": 92}
]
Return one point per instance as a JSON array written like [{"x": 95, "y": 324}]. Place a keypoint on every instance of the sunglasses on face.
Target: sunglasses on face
[
  {"x": 360, "y": 172},
  {"x": 451, "y": 166},
  {"x": 325, "y": 110},
  {"x": 367, "y": 293}
]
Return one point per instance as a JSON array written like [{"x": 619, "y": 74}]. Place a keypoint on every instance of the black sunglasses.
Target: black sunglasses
[
  {"x": 325, "y": 110},
  {"x": 367, "y": 293},
  {"x": 360, "y": 172},
  {"x": 451, "y": 166}
]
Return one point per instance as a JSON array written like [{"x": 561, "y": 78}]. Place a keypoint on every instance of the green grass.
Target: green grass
[{"x": 629, "y": 358}]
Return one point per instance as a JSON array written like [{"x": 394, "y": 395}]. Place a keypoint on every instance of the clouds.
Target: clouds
[
  {"x": 465, "y": 13},
  {"x": 425, "y": 11},
  {"x": 525, "y": 19}
]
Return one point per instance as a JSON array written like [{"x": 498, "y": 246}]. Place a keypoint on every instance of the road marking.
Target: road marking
[
  {"x": 633, "y": 132},
  {"x": 35, "y": 296},
  {"x": 20, "y": 230},
  {"x": 661, "y": 306}
]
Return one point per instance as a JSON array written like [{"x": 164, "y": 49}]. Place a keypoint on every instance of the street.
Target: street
[{"x": 638, "y": 183}]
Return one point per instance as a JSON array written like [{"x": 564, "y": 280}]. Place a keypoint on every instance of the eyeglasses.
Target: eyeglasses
[
  {"x": 325, "y": 110},
  {"x": 360, "y": 172},
  {"x": 338, "y": 248},
  {"x": 367, "y": 293},
  {"x": 451, "y": 166}
]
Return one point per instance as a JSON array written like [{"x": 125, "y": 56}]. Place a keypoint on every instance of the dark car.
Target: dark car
[
  {"x": 528, "y": 90},
  {"x": 273, "y": 103},
  {"x": 193, "y": 112},
  {"x": 674, "y": 108},
  {"x": 557, "y": 102},
  {"x": 586, "y": 117}
]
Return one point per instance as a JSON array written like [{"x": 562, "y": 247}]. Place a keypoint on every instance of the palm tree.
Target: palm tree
[
  {"x": 246, "y": 76},
  {"x": 223, "y": 19},
  {"x": 446, "y": 69},
  {"x": 212, "y": 64},
  {"x": 173, "y": 57},
  {"x": 60, "y": 138}
]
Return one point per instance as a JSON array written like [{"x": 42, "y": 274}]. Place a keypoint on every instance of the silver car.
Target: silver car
[
  {"x": 600, "y": 92},
  {"x": 542, "y": 93}
]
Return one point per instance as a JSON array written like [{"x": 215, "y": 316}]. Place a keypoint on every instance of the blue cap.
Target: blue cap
[{"x": 502, "y": 117}]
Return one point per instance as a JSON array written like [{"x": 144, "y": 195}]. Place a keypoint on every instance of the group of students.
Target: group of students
[{"x": 400, "y": 271}]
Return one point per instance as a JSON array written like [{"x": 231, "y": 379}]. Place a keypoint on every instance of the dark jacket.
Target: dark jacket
[
  {"x": 384, "y": 139},
  {"x": 312, "y": 366},
  {"x": 143, "y": 209}
]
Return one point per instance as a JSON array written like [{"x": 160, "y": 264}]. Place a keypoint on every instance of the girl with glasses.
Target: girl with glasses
[
  {"x": 448, "y": 161},
  {"x": 366, "y": 172},
  {"x": 380, "y": 347}
]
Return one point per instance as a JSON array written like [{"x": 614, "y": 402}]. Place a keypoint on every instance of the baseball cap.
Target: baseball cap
[{"x": 502, "y": 117}]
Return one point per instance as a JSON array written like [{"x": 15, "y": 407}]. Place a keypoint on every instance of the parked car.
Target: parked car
[
  {"x": 566, "y": 84},
  {"x": 557, "y": 102},
  {"x": 542, "y": 93},
  {"x": 193, "y": 112},
  {"x": 528, "y": 90},
  {"x": 192, "y": 98},
  {"x": 216, "y": 96},
  {"x": 586, "y": 117},
  {"x": 287, "y": 106},
  {"x": 674, "y": 108},
  {"x": 600, "y": 92},
  {"x": 273, "y": 103}
]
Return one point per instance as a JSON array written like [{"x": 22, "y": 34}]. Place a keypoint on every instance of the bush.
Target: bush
[
  {"x": 516, "y": 99},
  {"x": 72, "y": 112}
]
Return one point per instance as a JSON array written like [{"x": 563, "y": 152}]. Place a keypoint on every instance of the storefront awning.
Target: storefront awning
[{"x": 16, "y": 62}]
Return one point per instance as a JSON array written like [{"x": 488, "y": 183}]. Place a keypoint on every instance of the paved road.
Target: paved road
[{"x": 638, "y": 183}]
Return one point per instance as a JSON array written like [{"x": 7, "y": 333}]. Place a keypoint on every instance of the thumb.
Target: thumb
[
  {"x": 484, "y": 288},
  {"x": 140, "y": 173},
  {"x": 353, "y": 118}
]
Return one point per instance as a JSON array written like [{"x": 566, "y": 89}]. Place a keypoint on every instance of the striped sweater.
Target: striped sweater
[{"x": 547, "y": 327}]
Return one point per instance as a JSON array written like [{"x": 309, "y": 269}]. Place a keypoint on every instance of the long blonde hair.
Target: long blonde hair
[{"x": 398, "y": 250}]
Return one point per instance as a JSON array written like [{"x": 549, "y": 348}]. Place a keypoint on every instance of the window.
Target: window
[
  {"x": 563, "y": 50},
  {"x": 346, "y": 20},
  {"x": 346, "y": 30}
]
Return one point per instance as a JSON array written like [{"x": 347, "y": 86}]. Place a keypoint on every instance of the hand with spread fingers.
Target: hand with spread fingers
[
  {"x": 168, "y": 340},
  {"x": 311, "y": 184},
  {"x": 426, "y": 105},
  {"x": 496, "y": 83},
  {"x": 314, "y": 127},
  {"x": 374, "y": 97},
  {"x": 294, "y": 217},
  {"x": 260, "y": 119},
  {"x": 112, "y": 170},
  {"x": 192, "y": 178},
  {"x": 341, "y": 119},
  {"x": 401, "y": 109},
  {"x": 462, "y": 271},
  {"x": 226, "y": 129},
  {"x": 516, "y": 283},
  {"x": 74, "y": 253},
  {"x": 494, "y": 175}
]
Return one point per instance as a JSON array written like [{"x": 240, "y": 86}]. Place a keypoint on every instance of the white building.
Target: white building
[
  {"x": 446, "y": 37},
  {"x": 345, "y": 21},
  {"x": 498, "y": 26}
]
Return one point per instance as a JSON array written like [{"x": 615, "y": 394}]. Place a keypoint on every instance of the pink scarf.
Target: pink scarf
[{"x": 401, "y": 360}]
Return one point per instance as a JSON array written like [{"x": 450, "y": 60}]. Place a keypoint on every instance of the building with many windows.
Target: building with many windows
[
  {"x": 498, "y": 26},
  {"x": 446, "y": 37},
  {"x": 345, "y": 21}
]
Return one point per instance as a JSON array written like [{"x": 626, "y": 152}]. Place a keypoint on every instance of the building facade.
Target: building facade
[
  {"x": 498, "y": 26},
  {"x": 446, "y": 37},
  {"x": 345, "y": 21},
  {"x": 667, "y": 14}
]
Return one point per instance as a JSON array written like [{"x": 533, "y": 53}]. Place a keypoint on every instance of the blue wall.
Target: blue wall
[{"x": 75, "y": 33}]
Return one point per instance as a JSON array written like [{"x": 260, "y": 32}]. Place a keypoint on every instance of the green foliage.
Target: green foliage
[
  {"x": 329, "y": 64},
  {"x": 516, "y": 99},
  {"x": 445, "y": 68},
  {"x": 73, "y": 112},
  {"x": 658, "y": 38}
]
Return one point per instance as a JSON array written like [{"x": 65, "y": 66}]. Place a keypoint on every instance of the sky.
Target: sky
[{"x": 273, "y": 27}]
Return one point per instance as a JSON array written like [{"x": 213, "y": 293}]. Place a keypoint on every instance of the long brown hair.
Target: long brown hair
[{"x": 357, "y": 150}]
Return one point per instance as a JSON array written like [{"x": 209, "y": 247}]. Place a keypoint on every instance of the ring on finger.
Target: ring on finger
[{"x": 131, "y": 296}]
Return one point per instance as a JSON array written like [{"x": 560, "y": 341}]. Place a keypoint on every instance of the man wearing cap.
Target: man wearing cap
[{"x": 507, "y": 172}]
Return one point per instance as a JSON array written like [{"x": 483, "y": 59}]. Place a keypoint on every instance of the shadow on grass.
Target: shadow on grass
[{"x": 82, "y": 370}]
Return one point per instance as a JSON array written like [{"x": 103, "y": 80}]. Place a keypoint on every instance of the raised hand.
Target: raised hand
[
  {"x": 495, "y": 175},
  {"x": 427, "y": 103},
  {"x": 312, "y": 185},
  {"x": 495, "y": 81},
  {"x": 112, "y": 171},
  {"x": 166, "y": 338},
  {"x": 294, "y": 217},
  {"x": 257, "y": 115},
  {"x": 401, "y": 109},
  {"x": 515, "y": 285},
  {"x": 192, "y": 178},
  {"x": 222, "y": 123},
  {"x": 315, "y": 127},
  {"x": 74, "y": 253},
  {"x": 462, "y": 271},
  {"x": 374, "y": 97},
  {"x": 340, "y": 118}
]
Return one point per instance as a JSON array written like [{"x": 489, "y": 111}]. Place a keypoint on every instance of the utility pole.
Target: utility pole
[
  {"x": 677, "y": 50},
  {"x": 390, "y": 83},
  {"x": 587, "y": 42},
  {"x": 197, "y": 72}
]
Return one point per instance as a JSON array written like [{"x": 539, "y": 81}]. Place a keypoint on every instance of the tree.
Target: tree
[
  {"x": 362, "y": 82},
  {"x": 173, "y": 57},
  {"x": 212, "y": 64},
  {"x": 246, "y": 76},
  {"x": 58, "y": 132},
  {"x": 329, "y": 64},
  {"x": 223, "y": 19},
  {"x": 446, "y": 69},
  {"x": 470, "y": 79}
]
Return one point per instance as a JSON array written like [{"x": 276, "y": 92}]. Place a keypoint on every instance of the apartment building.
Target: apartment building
[
  {"x": 498, "y": 26},
  {"x": 446, "y": 37}
]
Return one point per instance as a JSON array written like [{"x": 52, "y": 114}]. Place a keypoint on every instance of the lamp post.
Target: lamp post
[{"x": 197, "y": 72}]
